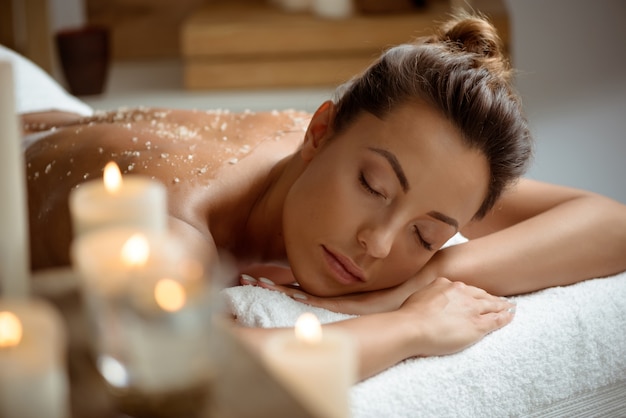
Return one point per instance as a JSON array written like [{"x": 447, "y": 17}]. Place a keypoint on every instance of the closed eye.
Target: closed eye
[
  {"x": 427, "y": 245},
  {"x": 367, "y": 186}
]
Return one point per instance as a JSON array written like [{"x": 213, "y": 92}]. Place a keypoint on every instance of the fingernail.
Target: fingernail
[
  {"x": 511, "y": 310},
  {"x": 248, "y": 278},
  {"x": 266, "y": 281},
  {"x": 299, "y": 296}
]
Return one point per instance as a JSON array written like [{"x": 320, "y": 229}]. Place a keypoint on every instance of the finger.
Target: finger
[
  {"x": 265, "y": 282},
  {"x": 495, "y": 320},
  {"x": 245, "y": 279},
  {"x": 291, "y": 291},
  {"x": 496, "y": 305},
  {"x": 288, "y": 290}
]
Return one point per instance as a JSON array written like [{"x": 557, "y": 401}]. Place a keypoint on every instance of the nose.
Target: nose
[{"x": 377, "y": 240}]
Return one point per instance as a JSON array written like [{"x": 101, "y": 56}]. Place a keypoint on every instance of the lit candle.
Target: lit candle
[
  {"x": 33, "y": 378},
  {"x": 148, "y": 299},
  {"x": 318, "y": 368},
  {"x": 14, "y": 246},
  {"x": 133, "y": 200},
  {"x": 109, "y": 259},
  {"x": 169, "y": 336}
]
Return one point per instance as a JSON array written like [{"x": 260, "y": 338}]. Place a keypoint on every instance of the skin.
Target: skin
[
  {"x": 389, "y": 190},
  {"x": 376, "y": 230}
]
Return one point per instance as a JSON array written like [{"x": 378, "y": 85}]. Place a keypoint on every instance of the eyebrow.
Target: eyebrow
[
  {"x": 444, "y": 218},
  {"x": 397, "y": 168},
  {"x": 395, "y": 165}
]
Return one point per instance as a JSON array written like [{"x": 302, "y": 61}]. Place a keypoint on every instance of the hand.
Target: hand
[
  {"x": 364, "y": 303},
  {"x": 451, "y": 316}
]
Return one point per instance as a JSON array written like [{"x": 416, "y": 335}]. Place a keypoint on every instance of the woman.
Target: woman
[{"x": 354, "y": 202}]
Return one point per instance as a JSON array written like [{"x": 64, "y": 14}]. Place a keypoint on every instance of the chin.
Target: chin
[{"x": 323, "y": 291}]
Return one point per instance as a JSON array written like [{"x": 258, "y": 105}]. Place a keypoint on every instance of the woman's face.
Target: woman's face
[{"x": 374, "y": 203}]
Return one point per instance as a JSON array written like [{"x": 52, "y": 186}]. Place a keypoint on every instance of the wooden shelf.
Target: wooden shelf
[{"x": 250, "y": 44}]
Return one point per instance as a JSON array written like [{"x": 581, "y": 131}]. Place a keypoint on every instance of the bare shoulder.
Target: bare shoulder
[{"x": 158, "y": 142}]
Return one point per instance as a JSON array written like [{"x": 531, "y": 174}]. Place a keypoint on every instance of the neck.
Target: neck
[{"x": 263, "y": 233}]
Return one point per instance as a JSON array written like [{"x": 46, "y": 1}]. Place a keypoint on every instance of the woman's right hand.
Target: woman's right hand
[
  {"x": 364, "y": 303},
  {"x": 451, "y": 316}
]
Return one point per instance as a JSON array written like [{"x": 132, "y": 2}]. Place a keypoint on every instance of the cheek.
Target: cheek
[
  {"x": 307, "y": 213},
  {"x": 400, "y": 267},
  {"x": 321, "y": 196}
]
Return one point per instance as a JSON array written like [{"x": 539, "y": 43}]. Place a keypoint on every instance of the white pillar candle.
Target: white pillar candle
[
  {"x": 148, "y": 300},
  {"x": 319, "y": 369},
  {"x": 14, "y": 244},
  {"x": 33, "y": 377},
  {"x": 115, "y": 200}
]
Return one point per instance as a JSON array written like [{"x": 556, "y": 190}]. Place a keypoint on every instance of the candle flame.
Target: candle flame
[
  {"x": 169, "y": 295},
  {"x": 308, "y": 328},
  {"x": 10, "y": 329},
  {"x": 112, "y": 177},
  {"x": 135, "y": 251}
]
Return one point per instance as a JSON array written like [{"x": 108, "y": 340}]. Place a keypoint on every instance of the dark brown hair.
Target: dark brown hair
[{"x": 462, "y": 71}]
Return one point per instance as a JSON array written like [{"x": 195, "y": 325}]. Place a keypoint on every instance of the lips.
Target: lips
[{"x": 342, "y": 268}]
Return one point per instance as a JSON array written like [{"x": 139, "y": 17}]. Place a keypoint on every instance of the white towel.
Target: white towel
[{"x": 563, "y": 342}]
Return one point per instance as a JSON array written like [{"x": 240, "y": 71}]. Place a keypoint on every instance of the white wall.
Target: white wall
[
  {"x": 571, "y": 55},
  {"x": 65, "y": 14}
]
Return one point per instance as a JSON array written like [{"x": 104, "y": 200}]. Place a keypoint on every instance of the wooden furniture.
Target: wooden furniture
[
  {"x": 252, "y": 44},
  {"x": 141, "y": 29},
  {"x": 25, "y": 28}
]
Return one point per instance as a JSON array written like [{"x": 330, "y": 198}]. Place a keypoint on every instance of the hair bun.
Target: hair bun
[{"x": 476, "y": 35}]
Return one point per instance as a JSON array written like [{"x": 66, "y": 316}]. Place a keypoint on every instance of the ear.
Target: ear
[{"x": 318, "y": 131}]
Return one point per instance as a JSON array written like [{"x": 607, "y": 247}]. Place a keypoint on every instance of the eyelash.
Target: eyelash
[
  {"x": 367, "y": 186},
  {"x": 422, "y": 241},
  {"x": 427, "y": 245}
]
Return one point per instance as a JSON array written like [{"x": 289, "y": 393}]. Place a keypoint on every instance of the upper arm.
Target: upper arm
[
  {"x": 526, "y": 199},
  {"x": 196, "y": 242}
]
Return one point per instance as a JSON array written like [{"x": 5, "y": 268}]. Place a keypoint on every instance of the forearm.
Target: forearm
[
  {"x": 558, "y": 247},
  {"x": 442, "y": 318},
  {"x": 381, "y": 340}
]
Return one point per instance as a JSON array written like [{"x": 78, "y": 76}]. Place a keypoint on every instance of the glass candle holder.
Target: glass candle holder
[{"x": 150, "y": 307}]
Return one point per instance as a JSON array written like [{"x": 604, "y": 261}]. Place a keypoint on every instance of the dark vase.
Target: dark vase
[{"x": 84, "y": 56}]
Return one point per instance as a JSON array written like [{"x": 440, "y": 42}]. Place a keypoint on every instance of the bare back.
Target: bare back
[{"x": 212, "y": 163}]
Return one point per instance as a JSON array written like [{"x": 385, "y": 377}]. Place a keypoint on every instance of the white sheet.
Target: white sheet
[
  {"x": 563, "y": 343},
  {"x": 36, "y": 91}
]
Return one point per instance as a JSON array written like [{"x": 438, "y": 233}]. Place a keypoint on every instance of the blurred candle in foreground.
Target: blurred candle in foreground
[
  {"x": 318, "y": 368},
  {"x": 14, "y": 244},
  {"x": 134, "y": 200},
  {"x": 33, "y": 377},
  {"x": 150, "y": 309}
]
